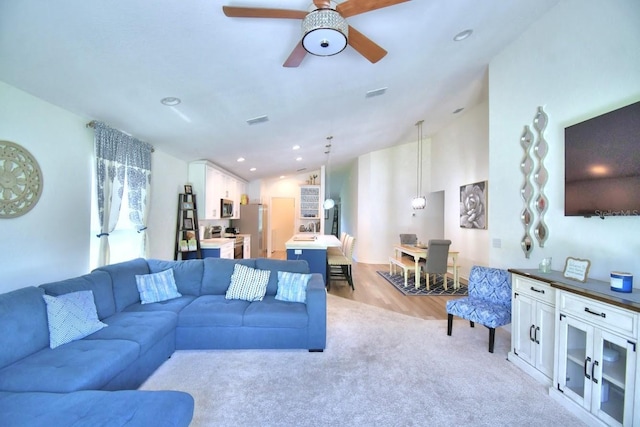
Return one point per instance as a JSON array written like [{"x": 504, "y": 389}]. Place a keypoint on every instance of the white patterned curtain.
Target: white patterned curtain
[
  {"x": 138, "y": 188},
  {"x": 119, "y": 155}
]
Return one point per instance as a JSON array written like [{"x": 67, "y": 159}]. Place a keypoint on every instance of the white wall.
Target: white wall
[
  {"x": 460, "y": 156},
  {"x": 579, "y": 60},
  {"x": 51, "y": 242},
  {"x": 168, "y": 176}
]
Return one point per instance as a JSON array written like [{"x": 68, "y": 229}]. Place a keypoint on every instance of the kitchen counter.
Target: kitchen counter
[
  {"x": 312, "y": 241},
  {"x": 216, "y": 242},
  {"x": 594, "y": 289}
]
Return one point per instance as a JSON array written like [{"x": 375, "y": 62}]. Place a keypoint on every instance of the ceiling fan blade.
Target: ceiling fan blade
[
  {"x": 365, "y": 46},
  {"x": 257, "y": 12},
  {"x": 296, "y": 57},
  {"x": 356, "y": 7}
]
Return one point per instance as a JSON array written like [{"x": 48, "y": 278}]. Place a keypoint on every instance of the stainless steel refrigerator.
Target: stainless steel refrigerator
[{"x": 253, "y": 221}]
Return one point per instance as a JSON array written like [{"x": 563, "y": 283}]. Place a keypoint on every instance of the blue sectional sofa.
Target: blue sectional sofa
[{"x": 92, "y": 380}]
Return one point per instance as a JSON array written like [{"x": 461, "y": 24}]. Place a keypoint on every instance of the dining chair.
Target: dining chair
[
  {"x": 488, "y": 303},
  {"x": 339, "y": 265},
  {"x": 436, "y": 262},
  {"x": 408, "y": 239}
]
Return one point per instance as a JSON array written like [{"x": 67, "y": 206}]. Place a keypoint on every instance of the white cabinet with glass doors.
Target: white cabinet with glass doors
[{"x": 597, "y": 358}]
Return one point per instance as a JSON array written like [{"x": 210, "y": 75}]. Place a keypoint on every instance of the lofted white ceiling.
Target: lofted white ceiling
[{"x": 114, "y": 60}]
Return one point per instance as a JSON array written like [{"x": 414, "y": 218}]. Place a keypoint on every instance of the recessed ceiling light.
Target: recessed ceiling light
[
  {"x": 457, "y": 110},
  {"x": 170, "y": 101},
  {"x": 282, "y": 176},
  {"x": 252, "y": 170},
  {"x": 462, "y": 35},
  {"x": 296, "y": 147},
  {"x": 240, "y": 159},
  {"x": 298, "y": 159}
]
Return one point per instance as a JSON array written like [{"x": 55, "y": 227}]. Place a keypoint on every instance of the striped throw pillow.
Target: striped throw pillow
[
  {"x": 157, "y": 287},
  {"x": 292, "y": 286},
  {"x": 249, "y": 284}
]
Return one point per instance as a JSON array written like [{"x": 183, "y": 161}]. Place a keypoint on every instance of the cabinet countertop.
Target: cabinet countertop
[
  {"x": 321, "y": 241},
  {"x": 595, "y": 289},
  {"x": 216, "y": 243}
]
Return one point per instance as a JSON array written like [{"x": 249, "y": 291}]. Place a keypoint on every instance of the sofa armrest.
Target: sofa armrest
[{"x": 317, "y": 312}]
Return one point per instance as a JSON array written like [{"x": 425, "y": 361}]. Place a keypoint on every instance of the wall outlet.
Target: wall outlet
[
  {"x": 497, "y": 243},
  {"x": 297, "y": 251}
]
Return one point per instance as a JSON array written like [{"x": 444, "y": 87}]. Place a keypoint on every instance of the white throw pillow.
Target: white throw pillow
[
  {"x": 71, "y": 316},
  {"x": 157, "y": 287},
  {"x": 292, "y": 286},
  {"x": 249, "y": 284}
]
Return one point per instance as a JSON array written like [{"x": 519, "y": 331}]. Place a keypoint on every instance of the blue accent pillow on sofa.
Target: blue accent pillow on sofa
[
  {"x": 292, "y": 286},
  {"x": 157, "y": 287},
  {"x": 71, "y": 317}
]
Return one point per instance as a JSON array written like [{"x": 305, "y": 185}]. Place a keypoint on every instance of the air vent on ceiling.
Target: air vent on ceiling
[
  {"x": 259, "y": 119},
  {"x": 300, "y": 170},
  {"x": 376, "y": 92}
]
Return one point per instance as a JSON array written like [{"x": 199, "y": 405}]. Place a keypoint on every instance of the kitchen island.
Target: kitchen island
[
  {"x": 313, "y": 249},
  {"x": 218, "y": 247}
]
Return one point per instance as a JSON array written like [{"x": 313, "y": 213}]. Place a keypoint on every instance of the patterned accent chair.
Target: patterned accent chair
[{"x": 488, "y": 303}]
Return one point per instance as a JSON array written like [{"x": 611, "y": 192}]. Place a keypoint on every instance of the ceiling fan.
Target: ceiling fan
[{"x": 325, "y": 31}]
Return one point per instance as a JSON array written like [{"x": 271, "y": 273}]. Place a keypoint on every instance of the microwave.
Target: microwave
[{"x": 226, "y": 208}]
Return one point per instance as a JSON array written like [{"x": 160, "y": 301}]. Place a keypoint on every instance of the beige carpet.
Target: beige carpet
[{"x": 380, "y": 368}]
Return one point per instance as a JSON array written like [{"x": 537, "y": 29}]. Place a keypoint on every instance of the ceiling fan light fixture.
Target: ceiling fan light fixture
[{"x": 325, "y": 32}]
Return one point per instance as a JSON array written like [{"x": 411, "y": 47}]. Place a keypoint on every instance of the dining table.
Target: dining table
[{"x": 420, "y": 252}]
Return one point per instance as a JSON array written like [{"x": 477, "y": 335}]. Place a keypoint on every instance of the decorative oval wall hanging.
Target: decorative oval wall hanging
[{"x": 20, "y": 180}]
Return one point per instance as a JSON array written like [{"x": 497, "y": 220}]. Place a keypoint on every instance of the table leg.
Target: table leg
[{"x": 417, "y": 274}]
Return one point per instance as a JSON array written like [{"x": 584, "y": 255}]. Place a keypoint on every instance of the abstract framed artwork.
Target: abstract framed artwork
[{"x": 473, "y": 205}]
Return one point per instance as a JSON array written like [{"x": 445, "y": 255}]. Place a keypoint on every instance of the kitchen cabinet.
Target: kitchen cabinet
[
  {"x": 533, "y": 327},
  {"x": 597, "y": 357},
  {"x": 213, "y": 184},
  {"x": 222, "y": 251}
]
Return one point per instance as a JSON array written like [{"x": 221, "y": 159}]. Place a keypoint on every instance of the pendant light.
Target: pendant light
[
  {"x": 419, "y": 202},
  {"x": 328, "y": 201}
]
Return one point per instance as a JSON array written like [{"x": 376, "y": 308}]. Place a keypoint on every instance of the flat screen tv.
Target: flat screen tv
[{"x": 602, "y": 165}]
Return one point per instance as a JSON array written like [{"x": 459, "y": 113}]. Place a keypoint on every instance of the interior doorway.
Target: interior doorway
[{"x": 282, "y": 222}]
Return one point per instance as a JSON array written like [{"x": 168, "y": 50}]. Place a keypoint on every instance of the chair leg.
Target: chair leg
[
  {"x": 492, "y": 338},
  {"x": 347, "y": 273},
  {"x": 472, "y": 324},
  {"x": 449, "y": 323}
]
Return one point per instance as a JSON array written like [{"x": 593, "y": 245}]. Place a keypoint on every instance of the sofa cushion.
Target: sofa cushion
[
  {"x": 292, "y": 287},
  {"x": 217, "y": 274},
  {"x": 99, "y": 282},
  {"x": 131, "y": 408},
  {"x": 293, "y": 266},
  {"x": 187, "y": 274},
  {"x": 145, "y": 328},
  {"x": 172, "y": 305},
  {"x": 78, "y": 365},
  {"x": 23, "y": 324},
  {"x": 156, "y": 287},
  {"x": 213, "y": 310},
  {"x": 123, "y": 279},
  {"x": 272, "y": 313},
  {"x": 71, "y": 316},
  {"x": 248, "y": 283}
]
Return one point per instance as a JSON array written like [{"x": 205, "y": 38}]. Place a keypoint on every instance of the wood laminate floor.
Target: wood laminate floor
[{"x": 374, "y": 290}]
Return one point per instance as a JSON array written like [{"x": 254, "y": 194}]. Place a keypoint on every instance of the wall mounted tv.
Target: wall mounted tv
[{"x": 602, "y": 165}]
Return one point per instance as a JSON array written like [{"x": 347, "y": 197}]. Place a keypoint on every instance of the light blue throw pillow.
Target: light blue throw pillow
[
  {"x": 71, "y": 316},
  {"x": 157, "y": 287},
  {"x": 249, "y": 284},
  {"x": 292, "y": 286}
]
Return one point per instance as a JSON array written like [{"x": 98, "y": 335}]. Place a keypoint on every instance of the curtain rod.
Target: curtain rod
[{"x": 92, "y": 124}]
